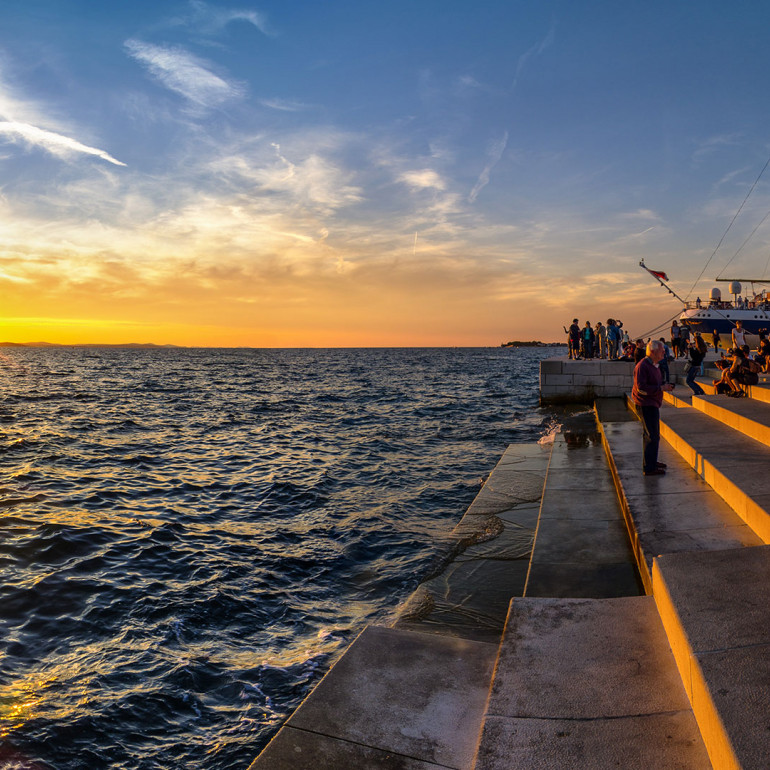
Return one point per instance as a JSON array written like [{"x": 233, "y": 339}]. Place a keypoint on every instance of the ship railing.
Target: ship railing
[{"x": 727, "y": 305}]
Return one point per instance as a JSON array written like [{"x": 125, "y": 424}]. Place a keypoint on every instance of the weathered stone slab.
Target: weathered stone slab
[
  {"x": 667, "y": 514},
  {"x": 564, "y": 504},
  {"x": 581, "y": 548},
  {"x": 716, "y": 610},
  {"x": 588, "y": 683},
  {"x": 632, "y": 743},
  {"x": 302, "y": 750},
  {"x": 731, "y": 695},
  {"x": 603, "y": 658},
  {"x": 734, "y": 465},
  {"x": 583, "y": 580},
  {"x": 418, "y": 695},
  {"x": 470, "y": 598},
  {"x": 737, "y": 581},
  {"x": 585, "y": 480},
  {"x": 552, "y": 365},
  {"x": 582, "y": 381}
]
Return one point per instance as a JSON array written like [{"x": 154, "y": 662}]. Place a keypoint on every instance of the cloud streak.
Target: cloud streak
[
  {"x": 212, "y": 20},
  {"x": 56, "y": 144},
  {"x": 184, "y": 73},
  {"x": 495, "y": 152},
  {"x": 535, "y": 50}
]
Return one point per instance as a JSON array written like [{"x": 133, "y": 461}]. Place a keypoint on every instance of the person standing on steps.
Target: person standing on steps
[
  {"x": 587, "y": 340},
  {"x": 675, "y": 337},
  {"x": 739, "y": 335},
  {"x": 697, "y": 352},
  {"x": 574, "y": 339},
  {"x": 647, "y": 394}
]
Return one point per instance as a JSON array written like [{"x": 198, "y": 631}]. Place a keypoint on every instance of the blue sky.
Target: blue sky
[{"x": 360, "y": 173}]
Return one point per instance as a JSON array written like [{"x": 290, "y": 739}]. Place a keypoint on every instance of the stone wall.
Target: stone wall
[{"x": 564, "y": 381}]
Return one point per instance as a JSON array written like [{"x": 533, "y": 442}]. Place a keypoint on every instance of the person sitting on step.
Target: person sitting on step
[{"x": 743, "y": 372}]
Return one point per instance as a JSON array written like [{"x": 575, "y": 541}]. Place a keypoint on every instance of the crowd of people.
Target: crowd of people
[
  {"x": 740, "y": 366},
  {"x": 598, "y": 341}
]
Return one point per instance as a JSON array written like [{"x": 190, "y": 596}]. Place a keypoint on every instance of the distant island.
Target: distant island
[
  {"x": 83, "y": 345},
  {"x": 532, "y": 344}
]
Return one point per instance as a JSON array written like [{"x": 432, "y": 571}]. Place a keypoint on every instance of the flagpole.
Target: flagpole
[{"x": 662, "y": 282}]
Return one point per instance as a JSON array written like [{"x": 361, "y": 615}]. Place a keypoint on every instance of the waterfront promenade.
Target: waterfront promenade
[{"x": 592, "y": 617}]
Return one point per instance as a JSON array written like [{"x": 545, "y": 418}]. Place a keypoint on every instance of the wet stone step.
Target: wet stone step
[{"x": 581, "y": 546}]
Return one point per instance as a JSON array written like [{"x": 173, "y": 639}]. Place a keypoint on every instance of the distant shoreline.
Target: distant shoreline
[
  {"x": 84, "y": 345},
  {"x": 155, "y": 346}
]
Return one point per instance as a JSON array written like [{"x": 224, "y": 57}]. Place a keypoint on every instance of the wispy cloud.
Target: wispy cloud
[
  {"x": 284, "y": 105},
  {"x": 423, "y": 179},
  {"x": 186, "y": 74},
  {"x": 644, "y": 215},
  {"x": 56, "y": 144},
  {"x": 535, "y": 50},
  {"x": 496, "y": 150},
  {"x": 206, "y": 18},
  {"x": 707, "y": 147}
]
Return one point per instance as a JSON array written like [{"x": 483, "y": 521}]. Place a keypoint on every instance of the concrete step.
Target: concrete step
[
  {"x": 734, "y": 465},
  {"x": 715, "y": 608},
  {"x": 588, "y": 683},
  {"x": 675, "y": 513},
  {"x": 581, "y": 544},
  {"x": 469, "y": 596},
  {"x": 679, "y": 396},
  {"x": 396, "y": 700},
  {"x": 759, "y": 392},
  {"x": 745, "y": 415}
]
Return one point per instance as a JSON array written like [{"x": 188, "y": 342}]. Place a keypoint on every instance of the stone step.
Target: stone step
[
  {"x": 581, "y": 544},
  {"x": 396, "y": 700},
  {"x": 734, "y": 465},
  {"x": 745, "y": 415},
  {"x": 679, "y": 396},
  {"x": 588, "y": 683},
  {"x": 678, "y": 512},
  {"x": 469, "y": 596},
  {"x": 759, "y": 392},
  {"x": 715, "y": 608}
]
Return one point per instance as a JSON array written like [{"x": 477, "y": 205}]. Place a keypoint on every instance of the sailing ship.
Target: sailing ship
[{"x": 716, "y": 314}]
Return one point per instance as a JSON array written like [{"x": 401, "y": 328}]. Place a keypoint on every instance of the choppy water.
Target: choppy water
[{"x": 189, "y": 537}]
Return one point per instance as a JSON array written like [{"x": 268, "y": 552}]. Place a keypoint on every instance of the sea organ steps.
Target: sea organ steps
[
  {"x": 706, "y": 572},
  {"x": 713, "y": 594},
  {"x": 690, "y": 531}
]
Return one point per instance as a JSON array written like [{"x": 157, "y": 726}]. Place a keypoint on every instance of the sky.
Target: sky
[{"x": 355, "y": 173}]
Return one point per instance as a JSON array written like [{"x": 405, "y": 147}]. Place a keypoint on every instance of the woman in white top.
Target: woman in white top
[{"x": 739, "y": 335}]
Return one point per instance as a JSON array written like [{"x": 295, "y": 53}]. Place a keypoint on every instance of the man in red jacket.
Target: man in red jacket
[{"x": 647, "y": 394}]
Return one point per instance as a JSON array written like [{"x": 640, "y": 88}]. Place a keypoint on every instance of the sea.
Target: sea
[{"x": 189, "y": 538}]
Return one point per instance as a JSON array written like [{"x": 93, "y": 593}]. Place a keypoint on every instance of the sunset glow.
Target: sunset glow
[{"x": 338, "y": 174}]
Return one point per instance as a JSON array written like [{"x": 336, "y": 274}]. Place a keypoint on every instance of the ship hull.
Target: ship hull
[{"x": 706, "y": 320}]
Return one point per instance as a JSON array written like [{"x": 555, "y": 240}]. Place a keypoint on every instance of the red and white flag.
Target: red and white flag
[{"x": 657, "y": 273}]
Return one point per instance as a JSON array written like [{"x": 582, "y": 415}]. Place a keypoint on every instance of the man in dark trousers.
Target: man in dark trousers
[
  {"x": 647, "y": 394},
  {"x": 574, "y": 339}
]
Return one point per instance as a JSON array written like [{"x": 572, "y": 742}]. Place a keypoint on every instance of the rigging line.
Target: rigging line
[
  {"x": 766, "y": 264},
  {"x": 751, "y": 235},
  {"x": 659, "y": 328},
  {"x": 732, "y": 221}
]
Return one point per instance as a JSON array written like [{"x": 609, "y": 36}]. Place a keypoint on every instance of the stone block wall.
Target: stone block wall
[{"x": 563, "y": 381}]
